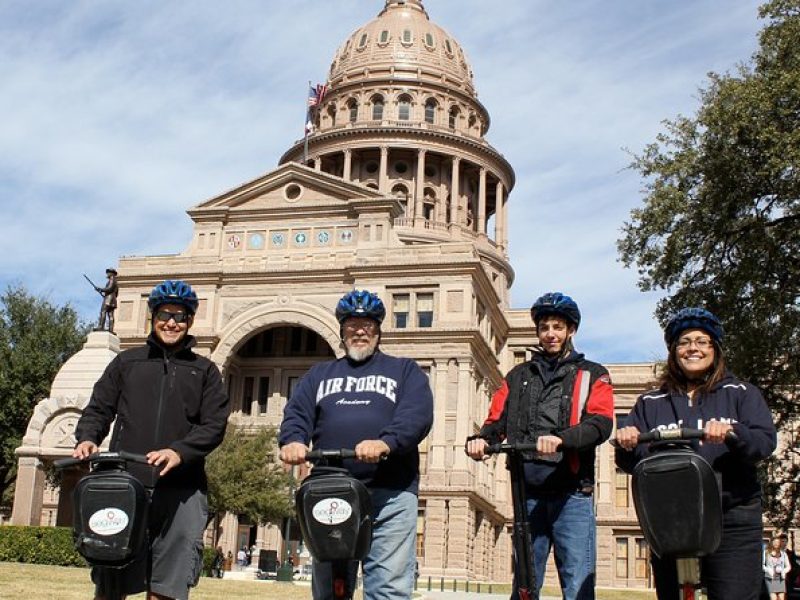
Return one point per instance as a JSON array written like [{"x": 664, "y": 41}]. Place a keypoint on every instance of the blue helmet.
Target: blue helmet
[
  {"x": 173, "y": 291},
  {"x": 360, "y": 303},
  {"x": 556, "y": 304},
  {"x": 693, "y": 318}
]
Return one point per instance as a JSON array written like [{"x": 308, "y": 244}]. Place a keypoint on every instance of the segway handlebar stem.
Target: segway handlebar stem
[{"x": 512, "y": 448}]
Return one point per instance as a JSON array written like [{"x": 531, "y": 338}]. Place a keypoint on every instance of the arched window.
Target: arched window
[
  {"x": 453, "y": 117},
  {"x": 377, "y": 108},
  {"x": 429, "y": 41},
  {"x": 362, "y": 43},
  {"x": 430, "y": 110},
  {"x": 384, "y": 37},
  {"x": 352, "y": 109},
  {"x": 404, "y": 108},
  {"x": 332, "y": 113},
  {"x": 407, "y": 36}
]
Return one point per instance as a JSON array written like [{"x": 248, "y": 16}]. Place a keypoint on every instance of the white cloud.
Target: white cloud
[{"x": 121, "y": 115}]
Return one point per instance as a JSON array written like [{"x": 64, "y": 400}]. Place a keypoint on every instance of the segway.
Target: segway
[
  {"x": 335, "y": 515},
  {"x": 109, "y": 525},
  {"x": 524, "y": 573},
  {"x": 678, "y": 503}
]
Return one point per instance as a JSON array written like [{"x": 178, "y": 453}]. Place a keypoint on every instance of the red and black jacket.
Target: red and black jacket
[{"x": 573, "y": 400}]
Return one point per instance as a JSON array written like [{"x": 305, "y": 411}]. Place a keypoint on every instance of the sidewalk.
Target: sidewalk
[{"x": 436, "y": 595}]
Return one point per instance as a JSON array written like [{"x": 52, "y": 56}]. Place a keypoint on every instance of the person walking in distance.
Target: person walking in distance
[
  {"x": 566, "y": 404},
  {"x": 382, "y": 407},
  {"x": 167, "y": 403}
]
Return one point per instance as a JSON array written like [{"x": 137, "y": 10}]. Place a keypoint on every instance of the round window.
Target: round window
[
  {"x": 430, "y": 171},
  {"x": 371, "y": 167},
  {"x": 400, "y": 167},
  {"x": 292, "y": 192}
]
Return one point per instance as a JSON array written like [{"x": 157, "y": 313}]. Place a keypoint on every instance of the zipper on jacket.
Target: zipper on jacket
[{"x": 164, "y": 379}]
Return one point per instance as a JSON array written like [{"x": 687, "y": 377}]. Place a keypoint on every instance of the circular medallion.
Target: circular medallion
[
  {"x": 323, "y": 237},
  {"x": 346, "y": 236},
  {"x": 234, "y": 241},
  {"x": 300, "y": 238},
  {"x": 277, "y": 239},
  {"x": 256, "y": 241}
]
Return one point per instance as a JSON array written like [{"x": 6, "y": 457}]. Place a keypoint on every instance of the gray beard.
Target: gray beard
[{"x": 359, "y": 355}]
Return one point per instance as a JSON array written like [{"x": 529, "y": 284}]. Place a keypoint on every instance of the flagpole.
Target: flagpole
[{"x": 305, "y": 127}]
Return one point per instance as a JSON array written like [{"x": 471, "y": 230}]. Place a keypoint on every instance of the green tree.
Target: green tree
[
  {"x": 720, "y": 225},
  {"x": 36, "y": 338},
  {"x": 245, "y": 479}
]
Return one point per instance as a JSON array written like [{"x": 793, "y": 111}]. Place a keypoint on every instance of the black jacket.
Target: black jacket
[
  {"x": 572, "y": 399},
  {"x": 161, "y": 399}
]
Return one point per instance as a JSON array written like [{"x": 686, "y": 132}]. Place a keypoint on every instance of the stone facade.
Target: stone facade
[{"x": 396, "y": 191}]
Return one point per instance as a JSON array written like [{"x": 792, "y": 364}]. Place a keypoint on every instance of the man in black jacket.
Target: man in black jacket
[
  {"x": 565, "y": 403},
  {"x": 170, "y": 405}
]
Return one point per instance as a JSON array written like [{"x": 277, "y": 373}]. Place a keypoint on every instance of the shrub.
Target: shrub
[
  {"x": 39, "y": 545},
  {"x": 208, "y": 560}
]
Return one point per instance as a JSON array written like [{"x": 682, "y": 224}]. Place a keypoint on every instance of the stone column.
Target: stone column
[
  {"x": 348, "y": 164},
  {"x": 498, "y": 215},
  {"x": 461, "y": 460},
  {"x": 482, "y": 202},
  {"x": 455, "y": 193},
  {"x": 436, "y": 473},
  {"x": 435, "y": 535},
  {"x": 383, "y": 179},
  {"x": 318, "y": 163},
  {"x": 29, "y": 492},
  {"x": 419, "y": 193}
]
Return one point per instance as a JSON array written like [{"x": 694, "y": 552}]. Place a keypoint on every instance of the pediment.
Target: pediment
[{"x": 290, "y": 189}]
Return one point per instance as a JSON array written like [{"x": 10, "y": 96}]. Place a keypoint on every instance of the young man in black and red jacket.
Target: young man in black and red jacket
[{"x": 565, "y": 404}]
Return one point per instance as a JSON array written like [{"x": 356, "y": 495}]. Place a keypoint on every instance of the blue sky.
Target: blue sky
[{"x": 118, "y": 116}]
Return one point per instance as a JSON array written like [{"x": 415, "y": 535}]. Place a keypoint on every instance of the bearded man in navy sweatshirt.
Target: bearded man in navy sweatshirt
[{"x": 381, "y": 406}]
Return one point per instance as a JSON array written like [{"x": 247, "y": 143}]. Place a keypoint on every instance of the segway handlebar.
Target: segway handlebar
[
  {"x": 315, "y": 455},
  {"x": 680, "y": 434},
  {"x": 511, "y": 448},
  {"x": 99, "y": 458}
]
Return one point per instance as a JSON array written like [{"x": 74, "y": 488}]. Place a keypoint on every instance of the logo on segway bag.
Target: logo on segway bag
[
  {"x": 108, "y": 521},
  {"x": 332, "y": 511}
]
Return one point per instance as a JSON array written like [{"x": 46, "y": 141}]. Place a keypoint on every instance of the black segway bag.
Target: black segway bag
[
  {"x": 335, "y": 515},
  {"x": 678, "y": 503},
  {"x": 110, "y": 518}
]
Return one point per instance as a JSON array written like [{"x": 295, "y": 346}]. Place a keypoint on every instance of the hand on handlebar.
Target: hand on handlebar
[
  {"x": 716, "y": 431},
  {"x": 84, "y": 449},
  {"x": 628, "y": 437},
  {"x": 167, "y": 457},
  {"x": 476, "y": 449},
  {"x": 371, "y": 451},
  {"x": 293, "y": 453}
]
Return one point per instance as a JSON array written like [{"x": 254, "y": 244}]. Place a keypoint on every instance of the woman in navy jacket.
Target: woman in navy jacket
[{"x": 696, "y": 390}]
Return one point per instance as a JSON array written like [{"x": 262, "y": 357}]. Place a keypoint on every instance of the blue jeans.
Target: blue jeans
[
  {"x": 389, "y": 567},
  {"x": 566, "y": 523}
]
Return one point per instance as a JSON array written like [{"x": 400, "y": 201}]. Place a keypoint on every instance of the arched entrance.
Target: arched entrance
[{"x": 262, "y": 373}]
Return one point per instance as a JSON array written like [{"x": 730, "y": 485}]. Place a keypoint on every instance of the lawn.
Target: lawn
[
  {"x": 23, "y": 581},
  {"x": 20, "y": 581}
]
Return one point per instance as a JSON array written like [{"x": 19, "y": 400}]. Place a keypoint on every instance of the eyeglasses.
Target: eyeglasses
[
  {"x": 703, "y": 343},
  {"x": 368, "y": 326},
  {"x": 165, "y": 315}
]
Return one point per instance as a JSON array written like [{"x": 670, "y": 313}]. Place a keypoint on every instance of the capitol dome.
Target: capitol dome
[{"x": 404, "y": 39}]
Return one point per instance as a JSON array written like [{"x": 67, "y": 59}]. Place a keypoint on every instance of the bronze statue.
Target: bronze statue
[{"x": 109, "y": 305}]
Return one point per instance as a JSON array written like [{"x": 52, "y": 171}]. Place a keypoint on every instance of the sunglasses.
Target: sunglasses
[{"x": 165, "y": 315}]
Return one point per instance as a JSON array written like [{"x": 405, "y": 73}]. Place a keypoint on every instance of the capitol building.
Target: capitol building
[{"x": 397, "y": 191}]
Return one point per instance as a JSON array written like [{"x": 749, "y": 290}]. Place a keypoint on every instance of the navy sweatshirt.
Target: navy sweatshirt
[
  {"x": 340, "y": 403},
  {"x": 732, "y": 401}
]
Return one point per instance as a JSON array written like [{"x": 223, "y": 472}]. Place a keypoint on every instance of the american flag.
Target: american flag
[{"x": 316, "y": 94}]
